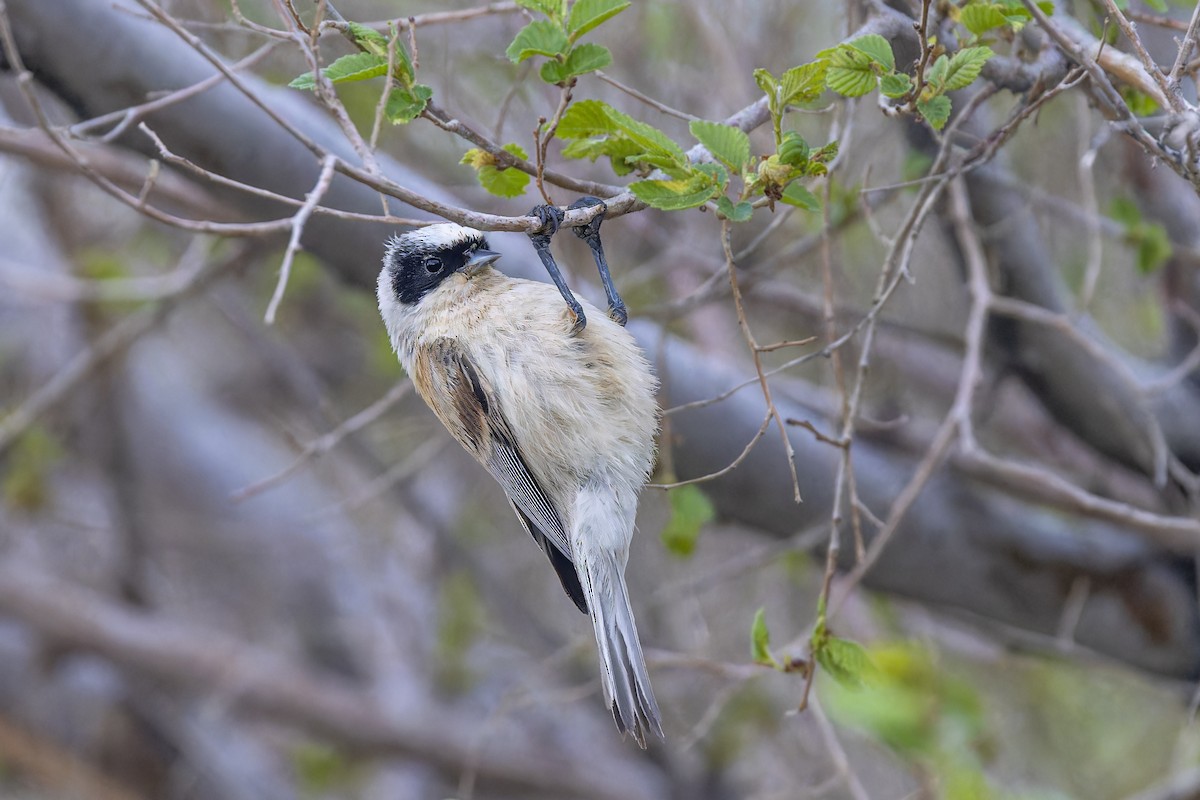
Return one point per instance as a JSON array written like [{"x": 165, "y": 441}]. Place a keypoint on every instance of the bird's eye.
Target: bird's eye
[{"x": 433, "y": 264}]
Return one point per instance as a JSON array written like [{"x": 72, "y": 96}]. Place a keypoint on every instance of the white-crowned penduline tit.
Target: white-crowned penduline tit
[{"x": 562, "y": 414}]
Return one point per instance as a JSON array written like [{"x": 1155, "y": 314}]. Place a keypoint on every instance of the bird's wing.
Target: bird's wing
[{"x": 467, "y": 405}]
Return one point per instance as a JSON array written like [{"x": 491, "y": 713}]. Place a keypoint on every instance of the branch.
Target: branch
[{"x": 255, "y": 680}]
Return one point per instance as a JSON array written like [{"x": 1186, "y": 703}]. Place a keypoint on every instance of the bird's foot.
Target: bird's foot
[
  {"x": 590, "y": 233},
  {"x": 551, "y": 217}
]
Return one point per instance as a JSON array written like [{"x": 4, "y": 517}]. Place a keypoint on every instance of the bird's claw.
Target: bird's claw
[
  {"x": 618, "y": 314},
  {"x": 551, "y": 218},
  {"x": 578, "y": 321},
  {"x": 591, "y": 231}
]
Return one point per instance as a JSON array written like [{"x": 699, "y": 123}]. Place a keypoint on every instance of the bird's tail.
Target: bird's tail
[{"x": 622, "y": 666}]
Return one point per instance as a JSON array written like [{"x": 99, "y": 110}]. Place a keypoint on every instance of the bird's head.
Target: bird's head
[{"x": 418, "y": 261}]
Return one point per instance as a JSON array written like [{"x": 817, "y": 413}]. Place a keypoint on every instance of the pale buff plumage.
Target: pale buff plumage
[{"x": 495, "y": 359}]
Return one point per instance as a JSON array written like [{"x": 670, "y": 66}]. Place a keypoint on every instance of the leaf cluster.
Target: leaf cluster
[
  {"x": 406, "y": 98},
  {"x": 858, "y": 67},
  {"x": 557, "y": 37}
]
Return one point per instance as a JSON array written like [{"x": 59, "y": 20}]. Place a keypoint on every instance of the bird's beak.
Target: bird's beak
[{"x": 479, "y": 260}]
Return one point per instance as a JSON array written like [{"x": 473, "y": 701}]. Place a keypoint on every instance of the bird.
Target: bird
[{"x": 563, "y": 416}]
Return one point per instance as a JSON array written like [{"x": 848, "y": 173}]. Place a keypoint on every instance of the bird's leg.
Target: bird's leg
[
  {"x": 590, "y": 233},
  {"x": 551, "y": 217}
]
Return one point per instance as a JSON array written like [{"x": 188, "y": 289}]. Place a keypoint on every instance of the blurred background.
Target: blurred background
[{"x": 242, "y": 560}]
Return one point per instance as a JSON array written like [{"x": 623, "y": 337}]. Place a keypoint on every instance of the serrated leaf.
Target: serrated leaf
[
  {"x": 617, "y": 149},
  {"x": 675, "y": 195},
  {"x": 690, "y": 510},
  {"x": 895, "y": 84},
  {"x": 850, "y": 71},
  {"x": 654, "y": 140},
  {"x": 716, "y": 173},
  {"x": 935, "y": 110},
  {"x": 516, "y": 150},
  {"x": 980, "y": 18},
  {"x": 728, "y": 144},
  {"x": 551, "y": 8},
  {"x": 846, "y": 661},
  {"x": 369, "y": 39},
  {"x": 354, "y": 67},
  {"x": 797, "y": 195},
  {"x": 583, "y": 58},
  {"x": 936, "y": 74},
  {"x": 742, "y": 212},
  {"x": 405, "y": 105},
  {"x": 509, "y": 182},
  {"x": 760, "y": 641},
  {"x": 964, "y": 67},
  {"x": 587, "y": 14},
  {"x": 876, "y": 47},
  {"x": 803, "y": 84},
  {"x": 539, "y": 38},
  {"x": 584, "y": 119},
  {"x": 766, "y": 81}
]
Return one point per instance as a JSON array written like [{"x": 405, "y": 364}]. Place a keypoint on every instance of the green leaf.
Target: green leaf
[
  {"x": 368, "y": 39},
  {"x": 539, "y": 38},
  {"x": 587, "y": 14},
  {"x": 797, "y": 195},
  {"x": 793, "y": 150},
  {"x": 516, "y": 150},
  {"x": 654, "y": 140},
  {"x": 510, "y": 182},
  {"x": 877, "y": 48},
  {"x": 405, "y": 105},
  {"x": 321, "y": 769},
  {"x": 500, "y": 181},
  {"x": 1153, "y": 248},
  {"x": 586, "y": 118},
  {"x": 734, "y": 213},
  {"x": 354, "y": 67},
  {"x": 980, "y": 18},
  {"x": 1140, "y": 103},
  {"x": 803, "y": 84},
  {"x": 846, "y": 661},
  {"x": 551, "y": 8},
  {"x": 895, "y": 84},
  {"x": 936, "y": 75},
  {"x": 690, "y": 510},
  {"x": 935, "y": 110},
  {"x": 766, "y": 81},
  {"x": 676, "y": 195},
  {"x": 728, "y": 144},
  {"x": 965, "y": 66},
  {"x": 26, "y": 484},
  {"x": 1158, "y": 5},
  {"x": 850, "y": 72},
  {"x": 760, "y": 641},
  {"x": 583, "y": 58}
]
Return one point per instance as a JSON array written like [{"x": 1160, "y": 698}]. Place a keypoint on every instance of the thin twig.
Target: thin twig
[
  {"x": 1186, "y": 45},
  {"x": 298, "y": 222},
  {"x": 744, "y": 324},
  {"x": 323, "y": 444},
  {"x": 1152, "y": 69},
  {"x": 762, "y": 431},
  {"x": 650, "y": 101}
]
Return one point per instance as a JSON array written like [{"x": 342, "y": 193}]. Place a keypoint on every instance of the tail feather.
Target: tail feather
[{"x": 623, "y": 667}]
